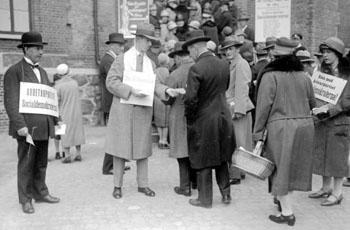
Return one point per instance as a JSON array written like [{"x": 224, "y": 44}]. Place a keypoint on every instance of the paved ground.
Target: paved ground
[{"x": 87, "y": 203}]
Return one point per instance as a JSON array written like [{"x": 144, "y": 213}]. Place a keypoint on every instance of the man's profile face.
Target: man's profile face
[{"x": 34, "y": 53}]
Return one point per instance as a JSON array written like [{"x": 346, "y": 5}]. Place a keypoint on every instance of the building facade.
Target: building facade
[{"x": 76, "y": 31}]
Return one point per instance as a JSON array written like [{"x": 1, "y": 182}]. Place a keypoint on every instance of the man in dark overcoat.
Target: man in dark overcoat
[
  {"x": 116, "y": 43},
  {"x": 32, "y": 159},
  {"x": 209, "y": 124}
]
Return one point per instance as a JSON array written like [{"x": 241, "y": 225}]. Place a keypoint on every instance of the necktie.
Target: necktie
[{"x": 139, "y": 63}]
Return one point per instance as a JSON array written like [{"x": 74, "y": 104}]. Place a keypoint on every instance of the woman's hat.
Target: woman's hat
[
  {"x": 115, "y": 38},
  {"x": 333, "y": 43},
  {"x": 171, "y": 25},
  {"x": 62, "y": 69},
  {"x": 304, "y": 56},
  {"x": 146, "y": 30},
  {"x": 211, "y": 46},
  {"x": 178, "y": 50},
  {"x": 194, "y": 24},
  {"x": 231, "y": 41},
  {"x": 284, "y": 46},
  {"x": 31, "y": 38},
  {"x": 194, "y": 37}
]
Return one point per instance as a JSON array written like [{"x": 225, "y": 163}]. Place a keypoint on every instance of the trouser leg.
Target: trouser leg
[
  {"x": 205, "y": 186},
  {"x": 184, "y": 172},
  {"x": 142, "y": 172},
  {"x": 107, "y": 163},
  {"x": 222, "y": 178},
  {"x": 118, "y": 171},
  {"x": 39, "y": 170}
]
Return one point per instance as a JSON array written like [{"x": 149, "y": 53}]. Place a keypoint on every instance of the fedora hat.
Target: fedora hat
[
  {"x": 194, "y": 37},
  {"x": 334, "y": 44},
  {"x": 145, "y": 30},
  {"x": 270, "y": 42},
  {"x": 31, "y": 38},
  {"x": 178, "y": 50},
  {"x": 243, "y": 17},
  {"x": 115, "y": 38},
  {"x": 231, "y": 41},
  {"x": 284, "y": 46}
]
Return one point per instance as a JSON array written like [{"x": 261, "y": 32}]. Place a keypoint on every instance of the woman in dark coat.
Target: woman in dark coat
[
  {"x": 332, "y": 129},
  {"x": 284, "y": 103}
]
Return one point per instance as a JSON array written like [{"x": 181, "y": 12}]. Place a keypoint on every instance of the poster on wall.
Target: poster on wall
[
  {"x": 131, "y": 13},
  {"x": 272, "y": 18}
]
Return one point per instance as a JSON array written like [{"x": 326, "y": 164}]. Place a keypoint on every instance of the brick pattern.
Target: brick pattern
[{"x": 3, "y": 116}]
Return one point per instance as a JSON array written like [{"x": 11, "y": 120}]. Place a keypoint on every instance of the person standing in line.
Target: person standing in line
[
  {"x": 70, "y": 113},
  {"x": 160, "y": 110},
  {"x": 116, "y": 44},
  {"x": 32, "y": 160},
  {"x": 238, "y": 99},
  {"x": 332, "y": 133},
  {"x": 210, "y": 132},
  {"x": 128, "y": 134},
  {"x": 177, "y": 121},
  {"x": 283, "y": 109}
]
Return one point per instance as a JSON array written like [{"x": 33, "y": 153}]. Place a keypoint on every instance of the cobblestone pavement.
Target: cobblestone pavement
[{"x": 87, "y": 202}]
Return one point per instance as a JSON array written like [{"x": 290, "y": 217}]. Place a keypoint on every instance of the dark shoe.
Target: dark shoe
[
  {"x": 194, "y": 185},
  {"x": 332, "y": 200},
  {"x": 126, "y": 168},
  {"x": 320, "y": 194},
  {"x": 347, "y": 182},
  {"x": 197, "y": 203},
  {"x": 108, "y": 173},
  {"x": 290, "y": 220},
  {"x": 27, "y": 207},
  {"x": 57, "y": 157},
  {"x": 235, "y": 181},
  {"x": 226, "y": 199},
  {"x": 147, "y": 191},
  {"x": 117, "y": 192},
  {"x": 67, "y": 160},
  {"x": 78, "y": 158},
  {"x": 48, "y": 199},
  {"x": 63, "y": 154},
  {"x": 166, "y": 146},
  {"x": 182, "y": 191}
]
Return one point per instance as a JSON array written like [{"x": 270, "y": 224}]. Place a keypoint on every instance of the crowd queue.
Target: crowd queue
[{"x": 216, "y": 90}]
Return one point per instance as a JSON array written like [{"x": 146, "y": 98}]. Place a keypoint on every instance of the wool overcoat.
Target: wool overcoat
[
  {"x": 44, "y": 124},
  {"x": 177, "y": 119},
  {"x": 129, "y": 127},
  {"x": 210, "y": 134},
  {"x": 106, "y": 96},
  {"x": 285, "y": 100},
  {"x": 160, "y": 110},
  {"x": 332, "y": 138}
]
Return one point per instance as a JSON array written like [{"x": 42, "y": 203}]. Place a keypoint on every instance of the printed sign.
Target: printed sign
[
  {"x": 38, "y": 99},
  {"x": 327, "y": 88},
  {"x": 131, "y": 13},
  {"x": 272, "y": 18},
  {"x": 141, "y": 81}
]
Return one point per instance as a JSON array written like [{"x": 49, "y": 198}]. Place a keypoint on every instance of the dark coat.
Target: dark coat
[
  {"x": 106, "y": 96},
  {"x": 332, "y": 136},
  {"x": 250, "y": 34},
  {"x": 285, "y": 100},
  {"x": 209, "y": 124},
  {"x": 223, "y": 19},
  {"x": 210, "y": 30},
  {"x": 22, "y": 72}
]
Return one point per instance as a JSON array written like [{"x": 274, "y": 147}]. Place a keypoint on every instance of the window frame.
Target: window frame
[{"x": 13, "y": 34}]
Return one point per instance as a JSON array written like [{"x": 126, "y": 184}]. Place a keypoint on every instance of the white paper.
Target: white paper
[
  {"x": 141, "y": 81},
  {"x": 60, "y": 129},
  {"x": 29, "y": 139}
]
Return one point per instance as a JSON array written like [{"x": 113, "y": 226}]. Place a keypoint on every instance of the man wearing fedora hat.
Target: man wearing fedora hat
[
  {"x": 223, "y": 18},
  {"x": 32, "y": 160},
  {"x": 115, "y": 44},
  {"x": 243, "y": 25},
  {"x": 129, "y": 126},
  {"x": 238, "y": 98},
  {"x": 210, "y": 135}
]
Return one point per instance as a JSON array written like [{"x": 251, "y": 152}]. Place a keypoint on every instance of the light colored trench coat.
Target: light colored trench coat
[
  {"x": 177, "y": 119},
  {"x": 285, "y": 100},
  {"x": 129, "y": 127}
]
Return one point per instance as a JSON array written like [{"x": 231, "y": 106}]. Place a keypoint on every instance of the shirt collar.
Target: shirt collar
[{"x": 30, "y": 61}]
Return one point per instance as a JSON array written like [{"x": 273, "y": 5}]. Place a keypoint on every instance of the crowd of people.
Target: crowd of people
[{"x": 215, "y": 90}]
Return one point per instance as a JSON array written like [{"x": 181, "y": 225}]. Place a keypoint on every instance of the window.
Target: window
[{"x": 14, "y": 18}]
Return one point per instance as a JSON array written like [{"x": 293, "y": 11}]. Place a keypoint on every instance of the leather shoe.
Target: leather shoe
[
  {"x": 147, "y": 191},
  {"x": 290, "y": 220},
  {"x": 197, "y": 203},
  {"x": 226, "y": 199},
  {"x": 235, "y": 181},
  {"x": 48, "y": 199},
  {"x": 332, "y": 200},
  {"x": 182, "y": 191},
  {"x": 117, "y": 193},
  {"x": 27, "y": 207},
  {"x": 107, "y": 173},
  {"x": 78, "y": 158},
  {"x": 347, "y": 182},
  {"x": 320, "y": 194}
]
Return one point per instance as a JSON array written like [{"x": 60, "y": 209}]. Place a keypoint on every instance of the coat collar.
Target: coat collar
[
  {"x": 205, "y": 54},
  {"x": 29, "y": 75}
]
